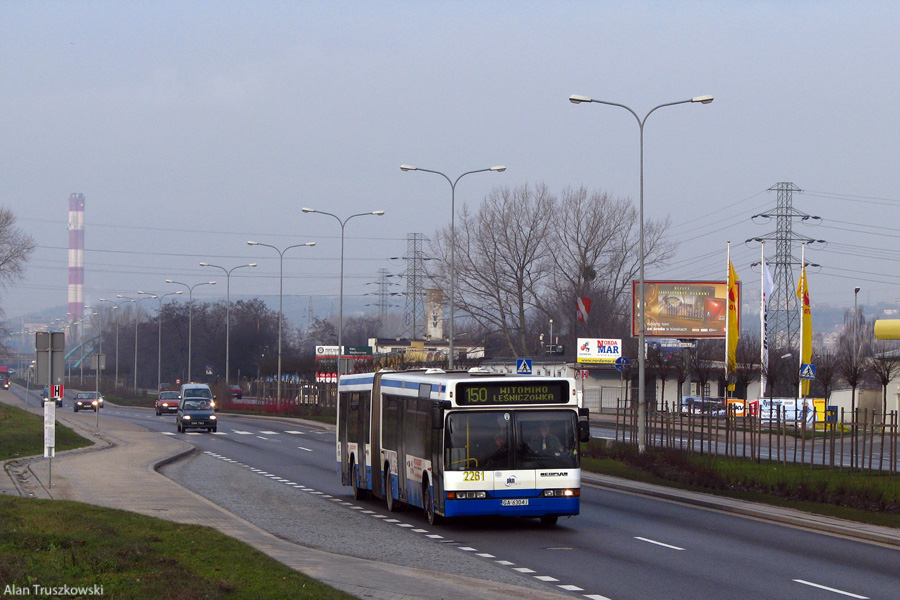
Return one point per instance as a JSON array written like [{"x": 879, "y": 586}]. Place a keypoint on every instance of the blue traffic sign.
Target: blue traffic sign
[
  {"x": 621, "y": 363},
  {"x": 807, "y": 371},
  {"x": 523, "y": 366}
]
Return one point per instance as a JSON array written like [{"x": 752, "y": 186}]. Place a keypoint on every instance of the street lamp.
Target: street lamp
[
  {"x": 280, "y": 298},
  {"x": 159, "y": 333},
  {"x": 227, "y": 310},
  {"x": 642, "y": 351},
  {"x": 116, "y": 308},
  {"x": 134, "y": 374},
  {"x": 497, "y": 169},
  {"x": 190, "y": 314},
  {"x": 377, "y": 213}
]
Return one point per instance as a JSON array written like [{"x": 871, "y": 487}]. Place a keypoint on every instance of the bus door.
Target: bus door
[{"x": 375, "y": 437}]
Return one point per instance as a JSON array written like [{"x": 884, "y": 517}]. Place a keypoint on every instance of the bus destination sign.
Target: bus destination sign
[{"x": 504, "y": 394}]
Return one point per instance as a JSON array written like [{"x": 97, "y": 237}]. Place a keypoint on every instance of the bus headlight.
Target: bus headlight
[
  {"x": 480, "y": 495},
  {"x": 567, "y": 493}
]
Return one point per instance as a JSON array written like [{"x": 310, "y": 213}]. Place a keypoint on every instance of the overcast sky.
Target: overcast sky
[{"x": 192, "y": 127}]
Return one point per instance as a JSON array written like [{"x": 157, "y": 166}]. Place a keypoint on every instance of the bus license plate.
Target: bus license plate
[{"x": 515, "y": 502}]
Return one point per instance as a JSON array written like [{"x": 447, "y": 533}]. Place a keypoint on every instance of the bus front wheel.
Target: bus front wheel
[{"x": 549, "y": 521}]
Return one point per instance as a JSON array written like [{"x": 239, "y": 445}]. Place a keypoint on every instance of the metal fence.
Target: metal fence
[{"x": 863, "y": 439}]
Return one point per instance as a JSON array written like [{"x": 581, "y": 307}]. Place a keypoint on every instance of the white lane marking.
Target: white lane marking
[
  {"x": 192, "y": 432},
  {"x": 306, "y": 449},
  {"x": 523, "y": 570},
  {"x": 831, "y": 589},
  {"x": 270, "y": 432},
  {"x": 242, "y": 432},
  {"x": 435, "y": 536},
  {"x": 261, "y": 437},
  {"x": 486, "y": 555},
  {"x": 505, "y": 563},
  {"x": 420, "y": 531},
  {"x": 467, "y": 549},
  {"x": 219, "y": 433},
  {"x": 296, "y": 432},
  {"x": 571, "y": 588},
  {"x": 167, "y": 433},
  {"x": 649, "y": 541},
  {"x": 546, "y": 578},
  {"x": 596, "y": 597},
  {"x": 392, "y": 520},
  {"x": 400, "y": 524}
]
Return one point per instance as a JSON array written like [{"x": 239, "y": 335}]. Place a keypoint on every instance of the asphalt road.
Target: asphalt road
[{"x": 283, "y": 477}]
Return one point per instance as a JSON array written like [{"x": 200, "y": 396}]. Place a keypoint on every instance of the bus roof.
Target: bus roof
[{"x": 413, "y": 380}]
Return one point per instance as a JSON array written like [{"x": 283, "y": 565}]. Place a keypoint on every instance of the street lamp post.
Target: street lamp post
[
  {"x": 227, "y": 311},
  {"x": 497, "y": 169},
  {"x": 190, "y": 289},
  {"x": 159, "y": 333},
  {"x": 127, "y": 299},
  {"x": 280, "y": 298},
  {"x": 575, "y": 99},
  {"x": 116, "y": 308},
  {"x": 376, "y": 213}
]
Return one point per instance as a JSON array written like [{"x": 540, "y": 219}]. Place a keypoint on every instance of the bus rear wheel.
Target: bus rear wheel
[
  {"x": 549, "y": 521},
  {"x": 389, "y": 501},
  {"x": 358, "y": 494}
]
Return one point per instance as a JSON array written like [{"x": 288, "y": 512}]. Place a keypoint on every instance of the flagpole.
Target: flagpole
[
  {"x": 802, "y": 307},
  {"x": 728, "y": 284}
]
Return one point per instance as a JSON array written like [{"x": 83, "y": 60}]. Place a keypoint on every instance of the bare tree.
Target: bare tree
[
  {"x": 885, "y": 367},
  {"x": 595, "y": 254},
  {"x": 501, "y": 261},
  {"x": 15, "y": 247},
  {"x": 748, "y": 361},
  {"x": 826, "y": 363}
]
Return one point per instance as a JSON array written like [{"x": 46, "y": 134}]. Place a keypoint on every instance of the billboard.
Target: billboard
[
  {"x": 599, "y": 351},
  {"x": 684, "y": 309}
]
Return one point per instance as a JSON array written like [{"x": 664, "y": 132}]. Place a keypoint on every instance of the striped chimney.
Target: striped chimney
[{"x": 76, "y": 257}]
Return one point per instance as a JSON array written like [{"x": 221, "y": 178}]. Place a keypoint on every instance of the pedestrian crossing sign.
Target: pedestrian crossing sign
[
  {"x": 807, "y": 371},
  {"x": 523, "y": 366}
]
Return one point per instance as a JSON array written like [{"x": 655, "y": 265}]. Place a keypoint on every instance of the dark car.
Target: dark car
[
  {"x": 46, "y": 394},
  {"x": 236, "y": 391},
  {"x": 167, "y": 402},
  {"x": 87, "y": 401},
  {"x": 197, "y": 413}
]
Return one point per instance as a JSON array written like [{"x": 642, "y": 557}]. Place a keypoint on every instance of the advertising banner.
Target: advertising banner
[
  {"x": 599, "y": 351},
  {"x": 684, "y": 309}
]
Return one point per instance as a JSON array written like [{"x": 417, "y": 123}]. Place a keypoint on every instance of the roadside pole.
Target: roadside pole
[{"x": 49, "y": 348}]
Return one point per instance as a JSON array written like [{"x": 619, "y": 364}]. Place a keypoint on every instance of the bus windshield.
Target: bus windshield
[{"x": 510, "y": 439}]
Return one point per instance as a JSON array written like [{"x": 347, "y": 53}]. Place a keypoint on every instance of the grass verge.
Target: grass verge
[
  {"x": 52, "y": 543},
  {"x": 22, "y": 434},
  {"x": 856, "y": 496}
]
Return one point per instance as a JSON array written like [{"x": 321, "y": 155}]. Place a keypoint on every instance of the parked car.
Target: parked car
[
  {"x": 87, "y": 401},
  {"x": 195, "y": 413},
  {"x": 236, "y": 391},
  {"x": 167, "y": 402}
]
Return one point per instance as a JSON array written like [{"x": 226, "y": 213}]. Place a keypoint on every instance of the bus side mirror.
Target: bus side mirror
[
  {"x": 437, "y": 413},
  {"x": 584, "y": 431}
]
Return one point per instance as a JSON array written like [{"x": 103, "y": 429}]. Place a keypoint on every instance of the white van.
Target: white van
[{"x": 197, "y": 390}]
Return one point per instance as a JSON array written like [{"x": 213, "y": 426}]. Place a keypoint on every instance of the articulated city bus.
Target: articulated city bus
[{"x": 462, "y": 443}]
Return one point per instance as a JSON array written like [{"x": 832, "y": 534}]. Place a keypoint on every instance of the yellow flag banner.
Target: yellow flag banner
[
  {"x": 805, "y": 329},
  {"x": 731, "y": 336}
]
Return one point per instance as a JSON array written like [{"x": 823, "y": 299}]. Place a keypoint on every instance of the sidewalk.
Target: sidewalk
[{"x": 119, "y": 472}]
